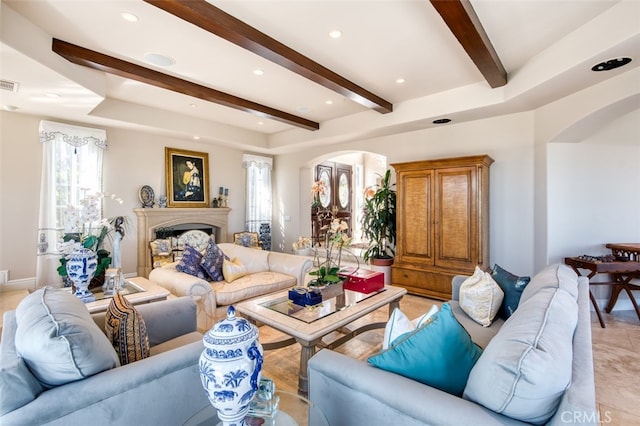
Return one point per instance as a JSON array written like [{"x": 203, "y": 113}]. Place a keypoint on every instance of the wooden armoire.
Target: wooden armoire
[{"x": 442, "y": 222}]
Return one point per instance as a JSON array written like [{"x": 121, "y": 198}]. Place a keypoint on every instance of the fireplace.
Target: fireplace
[{"x": 150, "y": 220}]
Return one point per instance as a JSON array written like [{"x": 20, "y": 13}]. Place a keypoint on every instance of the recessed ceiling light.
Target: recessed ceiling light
[
  {"x": 611, "y": 64},
  {"x": 129, "y": 17},
  {"x": 260, "y": 123},
  {"x": 258, "y": 72},
  {"x": 335, "y": 33},
  {"x": 158, "y": 59},
  {"x": 196, "y": 137},
  {"x": 193, "y": 105},
  {"x": 328, "y": 102},
  {"x": 399, "y": 80},
  {"x": 442, "y": 121},
  {"x": 52, "y": 95}
]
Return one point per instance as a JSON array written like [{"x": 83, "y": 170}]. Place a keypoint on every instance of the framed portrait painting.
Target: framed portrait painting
[{"x": 187, "y": 175}]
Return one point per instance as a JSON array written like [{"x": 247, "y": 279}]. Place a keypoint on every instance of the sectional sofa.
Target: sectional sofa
[
  {"x": 518, "y": 379},
  {"x": 163, "y": 389}
]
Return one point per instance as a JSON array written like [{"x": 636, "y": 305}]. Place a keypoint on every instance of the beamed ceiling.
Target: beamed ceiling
[{"x": 398, "y": 65}]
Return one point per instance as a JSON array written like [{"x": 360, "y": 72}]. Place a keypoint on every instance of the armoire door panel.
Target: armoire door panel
[
  {"x": 417, "y": 219},
  {"x": 455, "y": 221}
]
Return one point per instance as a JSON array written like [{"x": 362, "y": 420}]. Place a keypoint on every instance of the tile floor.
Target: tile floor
[{"x": 615, "y": 356}]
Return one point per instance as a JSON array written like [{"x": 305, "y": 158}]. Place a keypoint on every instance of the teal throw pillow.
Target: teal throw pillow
[
  {"x": 440, "y": 354},
  {"x": 512, "y": 287}
]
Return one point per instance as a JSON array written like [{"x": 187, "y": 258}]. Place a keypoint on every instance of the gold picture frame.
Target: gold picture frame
[{"x": 187, "y": 178}]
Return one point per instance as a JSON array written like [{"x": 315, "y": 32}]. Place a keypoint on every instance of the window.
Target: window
[
  {"x": 71, "y": 168},
  {"x": 258, "y": 201}
]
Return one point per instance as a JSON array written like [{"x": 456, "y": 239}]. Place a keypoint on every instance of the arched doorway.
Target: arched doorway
[{"x": 345, "y": 175}]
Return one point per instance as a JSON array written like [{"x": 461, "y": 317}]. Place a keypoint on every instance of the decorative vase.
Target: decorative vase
[
  {"x": 81, "y": 267},
  {"x": 303, "y": 252},
  {"x": 231, "y": 366},
  {"x": 330, "y": 291}
]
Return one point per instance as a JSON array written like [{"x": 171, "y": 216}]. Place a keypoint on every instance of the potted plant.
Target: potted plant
[{"x": 379, "y": 222}]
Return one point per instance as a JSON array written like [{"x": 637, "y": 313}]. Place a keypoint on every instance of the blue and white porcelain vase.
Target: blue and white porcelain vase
[
  {"x": 81, "y": 267},
  {"x": 231, "y": 366}
]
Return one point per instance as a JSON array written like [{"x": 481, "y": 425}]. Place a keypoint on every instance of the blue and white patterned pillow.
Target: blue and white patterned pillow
[
  {"x": 212, "y": 261},
  {"x": 190, "y": 263}
]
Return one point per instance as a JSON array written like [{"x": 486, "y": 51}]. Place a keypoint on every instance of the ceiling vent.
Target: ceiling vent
[{"x": 11, "y": 86}]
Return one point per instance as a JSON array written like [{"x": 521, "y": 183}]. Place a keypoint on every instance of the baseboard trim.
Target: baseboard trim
[{"x": 30, "y": 283}]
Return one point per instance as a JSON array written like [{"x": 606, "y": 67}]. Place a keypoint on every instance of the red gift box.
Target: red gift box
[{"x": 362, "y": 280}]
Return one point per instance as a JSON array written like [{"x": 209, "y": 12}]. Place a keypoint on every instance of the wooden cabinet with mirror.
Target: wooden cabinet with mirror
[{"x": 335, "y": 201}]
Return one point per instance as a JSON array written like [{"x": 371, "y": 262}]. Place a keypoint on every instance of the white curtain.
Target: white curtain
[
  {"x": 258, "y": 204},
  {"x": 71, "y": 166}
]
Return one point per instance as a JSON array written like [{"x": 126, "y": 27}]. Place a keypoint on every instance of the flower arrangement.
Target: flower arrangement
[
  {"x": 336, "y": 240},
  {"x": 318, "y": 188},
  {"x": 84, "y": 227},
  {"x": 302, "y": 243}
]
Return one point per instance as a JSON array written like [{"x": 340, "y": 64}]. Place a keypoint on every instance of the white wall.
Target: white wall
[
  {"x": 594, "y": 193},
  {"x": 508, "y": 140},
  {"x": 133, "y": 159}
]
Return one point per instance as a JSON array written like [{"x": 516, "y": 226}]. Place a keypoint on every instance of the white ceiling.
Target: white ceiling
[{"x": 546, "y": 47}]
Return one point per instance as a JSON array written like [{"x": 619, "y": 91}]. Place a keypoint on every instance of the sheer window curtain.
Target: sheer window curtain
[
  {"x": 71, "y": 167},
  {"x": 258, "y": 202}
]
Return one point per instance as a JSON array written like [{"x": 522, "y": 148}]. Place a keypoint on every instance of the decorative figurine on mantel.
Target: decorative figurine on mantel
[
  {"x": 162, "y": 201},
  {"x": 221, "y": 201}
]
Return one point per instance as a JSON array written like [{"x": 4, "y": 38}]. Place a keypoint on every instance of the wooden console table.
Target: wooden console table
[
  {"x": 622, "y": 273},
  {"x": 631, "y": 251}
]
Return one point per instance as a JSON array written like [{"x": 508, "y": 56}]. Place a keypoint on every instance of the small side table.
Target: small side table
[{"x": 622, "y": 273}]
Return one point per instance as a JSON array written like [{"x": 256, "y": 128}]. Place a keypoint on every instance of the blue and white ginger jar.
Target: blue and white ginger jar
[
  {"x": 81, "y": 267},
  {"x": 231, "y": 366}
]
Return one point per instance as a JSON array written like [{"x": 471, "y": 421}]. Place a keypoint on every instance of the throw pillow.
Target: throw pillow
[
  {"x": 439, "y": 354},
  {"x": 399, "y": 324},
  {"x": 512, "y": 287},
  {"x": 126, "y": 330},
  {"x": 480, "y": 297},
  {"x": 212, "y": 261},
  {"x": 59, "y": 340},
  {"x": 233, "y": 269},
  {"x": 526, "y": 368},
  {"x": 160, "y": 247},
  {"x": 190, "y": 263}
]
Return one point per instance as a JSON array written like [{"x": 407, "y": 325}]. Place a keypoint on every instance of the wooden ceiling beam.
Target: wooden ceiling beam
[
  {"x": 98, "y": 61},
  {"x": 465, "y": 25},
  {"x": 216, "y": 21}
]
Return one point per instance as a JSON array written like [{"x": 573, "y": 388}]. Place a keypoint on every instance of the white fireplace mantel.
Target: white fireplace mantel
[{"x": 153, "y": 218}]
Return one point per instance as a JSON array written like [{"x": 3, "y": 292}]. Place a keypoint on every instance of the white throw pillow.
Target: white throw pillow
[
  {"x": 399, "y": 324},
  {"x": 481, "y": 297}
]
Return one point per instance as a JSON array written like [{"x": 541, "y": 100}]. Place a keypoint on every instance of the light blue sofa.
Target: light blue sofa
[
  {"x": 348, "y": 391},
  {"x": 163, "y": 389}
]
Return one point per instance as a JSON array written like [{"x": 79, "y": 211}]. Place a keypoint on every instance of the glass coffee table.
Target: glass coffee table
[
  {"x": 294, "y": 410},
  {"x": 308, "y": 325}
]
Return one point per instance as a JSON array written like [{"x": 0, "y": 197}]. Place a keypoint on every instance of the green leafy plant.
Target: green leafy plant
[{"x": 379, "y": 220}]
